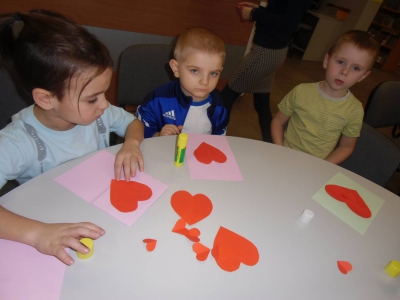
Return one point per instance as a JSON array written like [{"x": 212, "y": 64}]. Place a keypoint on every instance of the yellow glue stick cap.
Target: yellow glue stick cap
[
  {"x": 393, "y": 268},
  {"x": 88, "y": 242},
  {"x": 182, "y": 140}
]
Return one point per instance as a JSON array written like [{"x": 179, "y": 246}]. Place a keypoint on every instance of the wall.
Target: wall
[{"x": 120, "y": 23}]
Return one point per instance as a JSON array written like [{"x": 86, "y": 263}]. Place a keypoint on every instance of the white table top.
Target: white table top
[{"x": 297, "y": 261}]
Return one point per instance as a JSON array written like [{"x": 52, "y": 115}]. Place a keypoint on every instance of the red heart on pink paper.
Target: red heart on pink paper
[
  {"x": 231, "y": 249},
  {"x": 124, "y": 195},
  {"x": 191, "y": 208},
  {"x": 206, "y": 154}
]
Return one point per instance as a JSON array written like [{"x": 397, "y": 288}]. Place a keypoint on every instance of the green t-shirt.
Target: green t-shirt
[{"x": 317, "y": 120}]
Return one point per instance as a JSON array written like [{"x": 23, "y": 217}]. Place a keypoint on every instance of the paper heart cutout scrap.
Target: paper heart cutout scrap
[
  {"x": 191, "y": 208},
  {"x": 125, "y": 195},
  {"x": 201, "y": 251},
  {"x": 231, "y": 249},
  {"x": 206, "y": 154},
  {"x": 344, "y": 266},
  {"x": 150, "y": 244},
  {"x": 352, "y": 199},
  {"x": 192, "y": 234}
]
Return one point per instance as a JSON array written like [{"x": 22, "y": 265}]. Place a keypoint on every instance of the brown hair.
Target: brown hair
[
  {"x": 46, "y": 50},
  {"x": 362, "y": 40},
  {"x": 198, "y": 39}
]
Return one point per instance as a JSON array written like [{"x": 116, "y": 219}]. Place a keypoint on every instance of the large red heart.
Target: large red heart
[
  {"x": 351, "y": 198},
  {"x": 231, "y": 249},
  {"x": 191, "y": 208},
  {"x": 206, "y": 153},
  {"x": 124, "y": 195}
]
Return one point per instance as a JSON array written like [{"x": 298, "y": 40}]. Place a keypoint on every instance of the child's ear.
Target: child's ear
[
  {"x": 325, "y": 63},
  {"x": 174, "y": 66},
  {"x": 365, "y": 75},
  {"x": 43, "y": 98}
]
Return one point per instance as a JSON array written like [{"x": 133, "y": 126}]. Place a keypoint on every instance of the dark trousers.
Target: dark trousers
[{"x": 261, "y": 105}]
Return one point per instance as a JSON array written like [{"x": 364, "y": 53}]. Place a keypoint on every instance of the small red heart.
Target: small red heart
[
  {"x": 124, "y": 195},
  {"x": 351, "y": 197},
  {"x": 344, "y": 266},
  {"x": 150, "y": 244},
  {"x": 206, "y": 153},
  {"x": 201, "y": 251},
  {"x": 192, "y": 234},
  {"x": 191, "y": 208},
  {"x": 231, "y": 249},
  {"x": 180, "y": 227}
]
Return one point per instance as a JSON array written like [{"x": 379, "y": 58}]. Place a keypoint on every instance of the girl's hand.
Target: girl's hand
[
  {"x": 52, "y": 239},
  {"x": 127, "y": 158},
  {"x": 170, "y": 129}
]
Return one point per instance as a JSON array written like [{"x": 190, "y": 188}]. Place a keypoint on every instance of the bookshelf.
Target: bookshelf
[{"x": 385, "y": 28}]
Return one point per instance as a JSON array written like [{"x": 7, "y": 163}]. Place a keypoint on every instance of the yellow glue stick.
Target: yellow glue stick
[
  {"x": 180, "y": 149},
  {"x": 88, "y": 242},
  {"x": 393, "y": 268}
]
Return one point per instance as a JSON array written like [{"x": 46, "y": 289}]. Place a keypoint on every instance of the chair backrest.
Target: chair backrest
[
  {"x": 12, "y": 97},
  {"x": 383, "y": 106},
  {"x": 12, "y": 100},
  {"x": 375, "y": 157},
  {"x": 142, "y": 68}
]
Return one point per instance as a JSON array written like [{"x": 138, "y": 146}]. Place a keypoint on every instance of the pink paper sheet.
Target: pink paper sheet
[
  {"x": 91, "y": 180},
  {"x": 213, "y": 171},
  {"x": 26, "y": 274}
]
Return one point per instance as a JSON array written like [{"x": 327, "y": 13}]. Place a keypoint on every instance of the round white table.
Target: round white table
[{"x": 297, "y": 261}]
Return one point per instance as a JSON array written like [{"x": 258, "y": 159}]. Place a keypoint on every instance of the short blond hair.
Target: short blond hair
[
  {"x": 362, "y": 40},
  {"x": 198, "y": 40}
]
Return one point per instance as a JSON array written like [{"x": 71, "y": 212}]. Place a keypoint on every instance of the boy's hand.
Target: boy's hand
[
  {"x": 127, "y": 158},
  {"x": 52, "y": 239},
  {"x": 170, "y": 129}
]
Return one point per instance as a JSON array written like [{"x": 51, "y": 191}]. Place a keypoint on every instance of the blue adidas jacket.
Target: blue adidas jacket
[{"x": 155, "y": 111}]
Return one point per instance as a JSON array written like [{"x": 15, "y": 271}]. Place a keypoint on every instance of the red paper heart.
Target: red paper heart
[
  {"x": 231, "y": 249},
  {"x": 150, "y": 244},
  {"x": 192, "y": 234},
  {"x": 344, "y": 266},
  {"x": 201, "y": 251},
  {"x": 180, "y": 227},
  {"x": 124, "y": 195},
  {"x": 191, "y": 208},
  {"x": 351, "y": 198},
  {"x": 206, "y": 153}
]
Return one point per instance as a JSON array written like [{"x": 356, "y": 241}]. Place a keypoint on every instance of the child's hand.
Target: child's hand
[
  {"x": 127, "y": 158},
  {"x": 52, "y": 239},
  {"x": 170, "y": 129}
]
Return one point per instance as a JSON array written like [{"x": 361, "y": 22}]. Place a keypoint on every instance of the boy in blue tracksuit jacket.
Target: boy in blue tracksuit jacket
[{"x": 190, "y": 104}]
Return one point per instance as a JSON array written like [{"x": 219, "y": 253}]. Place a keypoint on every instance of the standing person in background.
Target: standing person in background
[{"x": 275, "y": 25}]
